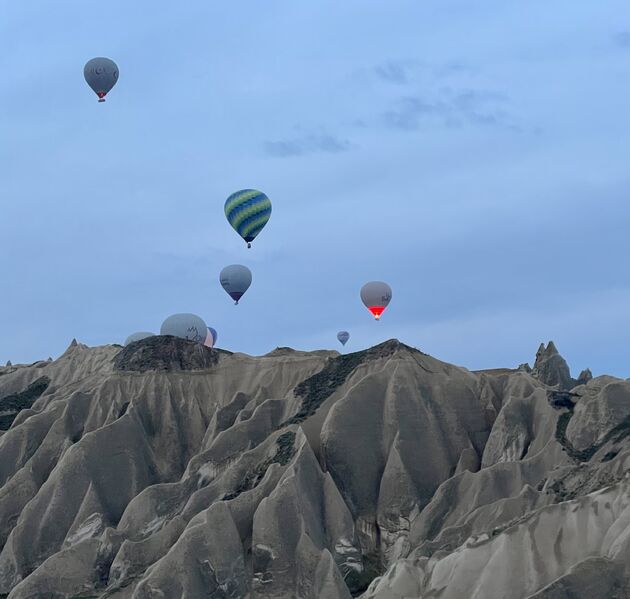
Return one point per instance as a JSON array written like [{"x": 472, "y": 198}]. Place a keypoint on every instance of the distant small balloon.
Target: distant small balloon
[
  {"x": 343, "y": 337},
  {"x": 138, "y": 336},
  {"x": 236, "y": 279},
  {"x": 248, "y": 211},
  {"x": 101, "y": 75},
  {"x": 186, "y": 326},
  {"x": 376, "y": 296},
  {"x": 215, "y": 335}
]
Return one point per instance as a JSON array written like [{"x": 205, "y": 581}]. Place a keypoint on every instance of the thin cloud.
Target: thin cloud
[
  {"x": 405, "y": 71},
  {"x": 307, "y": 144},
  {"x": 622, "y": 39},
  {"x": 450, "y": 105},
  {"x": 394, "y": 71},
  {"x": 411, "y": 111},
  {"x": 453, "y": 68},
  {"x": 452, "y": 108}
]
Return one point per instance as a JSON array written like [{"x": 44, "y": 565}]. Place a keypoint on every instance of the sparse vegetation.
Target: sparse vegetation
[
  {"x": 358, "y": 582},
  {"x": 166, "y": 353},
  {"x": 584, "y": 478},
  {"x": 316, "y": 389},
  {"x": 563, "y": 399},
  {"x": 285, "y": 450},
  {"x": 615, "y": 435},
  {"x": 12, "y": 404}
]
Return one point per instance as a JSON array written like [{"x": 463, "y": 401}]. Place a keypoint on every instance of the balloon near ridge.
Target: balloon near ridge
[
  {"x": 186, "y": 326},
  {"x": 376, "y": 296},
  {"x": 343, "y": 336}
]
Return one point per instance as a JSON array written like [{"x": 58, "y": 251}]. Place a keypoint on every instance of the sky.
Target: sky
[{"x": 474, "y": 155}]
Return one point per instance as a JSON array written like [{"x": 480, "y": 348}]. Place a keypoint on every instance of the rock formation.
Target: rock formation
[
  {"x": 167, "y": 469},
  {"x": 585, "y": 376},
  {"x": 551, "y": 368}
]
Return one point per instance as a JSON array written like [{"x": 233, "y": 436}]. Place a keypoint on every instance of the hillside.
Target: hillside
[{"x": 167, "y": 469}]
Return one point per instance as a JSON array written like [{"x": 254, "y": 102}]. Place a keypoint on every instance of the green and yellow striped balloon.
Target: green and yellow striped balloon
[{"x": 248, "y": 211}]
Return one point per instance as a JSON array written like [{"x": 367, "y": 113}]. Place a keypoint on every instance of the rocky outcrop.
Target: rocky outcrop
[
  {"x": 551, "y": 368},
  {"x": 302, "y": 522},
  {"x": 603, "y": 404},
  {"x": 164, "y": 352},
  {"x": 595, "y": 578},
  {"x": 165, "y": 469},
  {"x": 207, "y": 560},
  {"x": 585, "y": 377},
  {"x": 549, "y": 505},
  {"x": 558, "y": 539}
]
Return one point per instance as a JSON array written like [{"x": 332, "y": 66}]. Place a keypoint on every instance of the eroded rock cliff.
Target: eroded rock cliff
[{"x": 166, "y": 469}]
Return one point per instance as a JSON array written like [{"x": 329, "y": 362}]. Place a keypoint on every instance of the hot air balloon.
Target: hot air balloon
[
  {"x": 343, "y": 337},
  {"x": 186, "y": 326},
  {"x": 376, "y": 295},
  {"x": 248, "y": 211},
  {"x": 101, "y": 75},
  {"x": 236, "y": 279},
  {"x": 215, "y": 335},
  {"x": 209, "y": 342},
  {"x": 138, "y": 336}
]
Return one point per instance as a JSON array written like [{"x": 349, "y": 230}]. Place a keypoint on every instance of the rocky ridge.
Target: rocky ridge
[{"x": 166, "y": 469}]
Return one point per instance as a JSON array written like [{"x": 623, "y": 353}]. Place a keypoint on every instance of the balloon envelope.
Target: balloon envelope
[
  {"x": 138, "y": 336},
  {"x": 248, "y": 211},
  {"x": 236, "y": 279},
  {"x": 186, "y": 326},
  {"x": 343, "y": 337},
  {"x": 376, "y": 296},
  {"x": 209, "y": 342},
  {"x": 101, "y": 75},
  {"x": 215, "y": 335}
]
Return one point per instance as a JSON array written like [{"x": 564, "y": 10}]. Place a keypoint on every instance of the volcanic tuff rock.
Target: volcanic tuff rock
[
  {"x": 551, "y": 368},
  {"x": 585, "y": 376},
  {"x": 167, "y": 469},
  {"x": 165, "y": 353}
]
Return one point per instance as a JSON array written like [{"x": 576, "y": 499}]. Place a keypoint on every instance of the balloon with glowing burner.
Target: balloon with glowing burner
[{"x": 376, "y": 296}]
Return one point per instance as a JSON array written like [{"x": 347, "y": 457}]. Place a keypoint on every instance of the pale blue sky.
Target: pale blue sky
[{"x": 472, "y": 154}]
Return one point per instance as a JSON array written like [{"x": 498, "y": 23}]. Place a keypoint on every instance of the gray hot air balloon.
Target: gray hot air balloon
[
  {"x": 343, "y": 337},
  {"x": 236, "y": 279},
  {"x": 138, "y": 336},
  {"x": 376, "y": 295},
  {"x": 186, "y": 326},
  {"x": 101, "y": 75}
]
